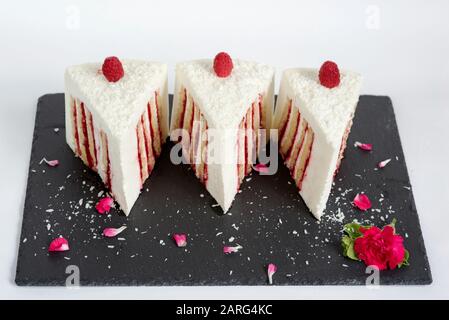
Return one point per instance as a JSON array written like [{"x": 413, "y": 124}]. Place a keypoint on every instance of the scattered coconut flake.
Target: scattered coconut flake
[
  {"x": 271, "y": 271},
  {"x": 112, "y": 232},
  {"x": 56, "y": 129},
  {"x": 383, "y": 163},
  {"x": 231, "y": 239},
  {"x": 363, "y": 146},
  {"x": 227, "y": 249},
  {"x": 180, "y": 239},
  {"x": 362, "y": 202},
  {"x": 49, "y": 210},
  {"x": 58, "y": 244},
  {"x": 104, "y": 205},
  {"x": 261, "y": 168},
  {"x": 51, "y": 163}
]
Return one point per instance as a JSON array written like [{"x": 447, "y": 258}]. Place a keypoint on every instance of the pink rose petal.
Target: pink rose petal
[
  {"x": 364, "y": 146},
  {"x": 104, "y": 205},
  {"x": 58, "y": 244},
  {"x": 383, "y": 163},
  {"x": 362, "y": 202},
  {"x": 228, "y": 250},
  {"x": 262, "y": 168},
  {"x": 112, "y": 232},
  {"x": 51, "y": 163},
  {"x": 180, "y": 239},
  {"x": 271, "y": 271}
]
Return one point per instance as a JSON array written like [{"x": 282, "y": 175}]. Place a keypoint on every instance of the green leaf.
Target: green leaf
[
  {"x": 352, "y": 230},
  {"x": 405, "y": 261},
  {"x": 393, "y": 225},
  {"x": 348, "y": 247}
]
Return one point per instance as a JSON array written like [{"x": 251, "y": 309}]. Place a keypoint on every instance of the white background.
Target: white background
[{"x": 401, "y": 48}]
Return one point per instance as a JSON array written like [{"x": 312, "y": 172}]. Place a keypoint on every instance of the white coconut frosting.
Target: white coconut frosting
[
  {"x": 224, "y": 101},
  {"x": 116, "y": 109},
  {"x": 328, "y": 112}
]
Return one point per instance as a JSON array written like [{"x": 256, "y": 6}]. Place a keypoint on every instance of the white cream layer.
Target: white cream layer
[{"x": 328, "y": 112}]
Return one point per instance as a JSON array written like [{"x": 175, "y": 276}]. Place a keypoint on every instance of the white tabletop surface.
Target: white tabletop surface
[{"x": 401, "y": 48}]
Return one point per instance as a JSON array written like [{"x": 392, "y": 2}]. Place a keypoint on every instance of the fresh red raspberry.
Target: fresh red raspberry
[
  {"x": 223, "y": 65},
  {"x": 329, "y": 75},
  {"x": 112, "y": 69}
]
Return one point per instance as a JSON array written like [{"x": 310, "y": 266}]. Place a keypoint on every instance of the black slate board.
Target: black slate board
[{"x": 268, "y": 218}]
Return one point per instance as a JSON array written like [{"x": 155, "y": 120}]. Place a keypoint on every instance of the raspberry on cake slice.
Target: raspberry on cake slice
[
  {"x": 314, "y": 114},
  {"x": 116, "y": 116},
  {"x": 220, "y": 105}
]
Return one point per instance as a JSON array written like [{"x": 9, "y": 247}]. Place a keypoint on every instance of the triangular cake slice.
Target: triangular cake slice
[
  {"x": 117, "y": 122},
  {"x": 221, "y": 104},
  {"x": 314, "y": 113}
]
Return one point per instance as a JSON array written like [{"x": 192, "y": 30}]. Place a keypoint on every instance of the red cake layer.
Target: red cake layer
[
  {"x": 148, "y": 134},
  {"x": 295, "y": 143},
  {"x": 248, "y": 142},
  {"x": 194, "y": 146}
]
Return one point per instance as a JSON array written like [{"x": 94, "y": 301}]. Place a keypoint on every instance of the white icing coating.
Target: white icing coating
[
  {"x": 116, "y": 109},
  {"x": 328, "y": 112},
  {"x": 224, "y": 103},
  {"x": 118, "y": 105}
]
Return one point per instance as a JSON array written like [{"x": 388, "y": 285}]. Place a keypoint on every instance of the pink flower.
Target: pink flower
[
  {"x": 383, "y": 163},
  {"x": 228, "y": 250},
  {"x": 112, "y": 232},
  {"x": 58, "y": 244},
  {"x": 180, "y": 239},
  {"x": 51, "y": 163},
  {"x": 381, "y": 248},
  {"x": 262, "y": 168},
  {"x": 364, "y": 146},
  {"x": 271, "y": 271},
  {"x": 362, "y": 202},
  {"x": 104, "y": 205}
]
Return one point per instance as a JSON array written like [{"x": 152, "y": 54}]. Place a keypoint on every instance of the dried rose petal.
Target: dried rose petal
[
  {"x": 262, "y": 168},
  {"x": 180, "y": 239},
  {"x": 383, "y": 163},
  {"x": 271, "y": 271},
  {"x": 58, "y": 244},
  {"x": 362, "y": 202},
  {"x": 112, "y": 232},
  {"x": 51, "y": 163},
  {"x": 364, "y": 146},
  {"x": 104, "y": 205},
  {"x": 228, "y": 250}
]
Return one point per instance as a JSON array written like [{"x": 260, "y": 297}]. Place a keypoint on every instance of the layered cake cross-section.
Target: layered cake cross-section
[
  {"x": 219, "y": 106},
  {"x": 314, "y": 113},
  {"x": 117, "y": 120}
]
